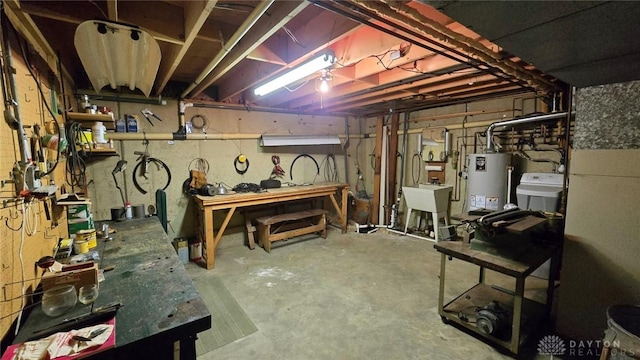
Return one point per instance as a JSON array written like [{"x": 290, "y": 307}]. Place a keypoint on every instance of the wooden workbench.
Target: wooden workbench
[
  {"x": 207, "y": 205},
  {"x": 162, "y": 311}
]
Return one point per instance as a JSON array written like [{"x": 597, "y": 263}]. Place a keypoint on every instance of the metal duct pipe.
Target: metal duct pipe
[
  {"x": 344, "y": 150},
  {"x": 255, "y": 15},
  {"x": 490, "y": 147}
]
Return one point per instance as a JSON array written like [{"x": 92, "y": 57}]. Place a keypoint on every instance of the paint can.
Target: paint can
[
  {"x": 138, "y": 211},
  {"x": 117, "y": 213},
  {"x": 81, "y": 247},
  {"x": 88, "y": 235},
  {"x": 195, "y": 250}
]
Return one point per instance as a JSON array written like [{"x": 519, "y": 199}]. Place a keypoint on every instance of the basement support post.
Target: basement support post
[
  {"x": 393, "y": 166},
  {"x": 377, "y": 171}
]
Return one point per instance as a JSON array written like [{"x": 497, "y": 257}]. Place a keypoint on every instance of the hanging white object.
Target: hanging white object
[
  {"x": 117, "y": 55},
  {"x": 287, "y": 140}
]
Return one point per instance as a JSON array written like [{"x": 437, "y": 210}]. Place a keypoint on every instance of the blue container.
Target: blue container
[
  {"x": 132, "y": 123},
  {"x": 121, "y": 125}
]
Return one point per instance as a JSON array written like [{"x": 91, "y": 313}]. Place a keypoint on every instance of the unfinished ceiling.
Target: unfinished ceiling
[
  {"x": 391, "y": 56},
  {"x": 583, "y": 43}
]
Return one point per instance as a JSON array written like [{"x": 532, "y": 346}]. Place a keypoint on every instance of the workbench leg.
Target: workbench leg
[
  {"x": 207, "y": 217},
  {"x": 343, "y": 202},
  {"x": 517, "y": 315},
  {"x": 481, "y": 275},
  {"x": 323, "y": 222},
  {"x": 250, "y": 230},
  {"x": 443, "y": 264},
  {"x": 188, "y": 348},
  {"x": 341, "y": 209}
]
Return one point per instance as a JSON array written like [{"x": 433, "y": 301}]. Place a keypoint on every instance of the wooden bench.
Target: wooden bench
[{"x": 286, "y": 226}]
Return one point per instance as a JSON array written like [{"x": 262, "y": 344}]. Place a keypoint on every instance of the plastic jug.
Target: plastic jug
[{"x": 97, "y": 132}]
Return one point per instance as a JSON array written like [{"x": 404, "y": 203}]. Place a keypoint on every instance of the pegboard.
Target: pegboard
[{"x": 34, "y": 238}]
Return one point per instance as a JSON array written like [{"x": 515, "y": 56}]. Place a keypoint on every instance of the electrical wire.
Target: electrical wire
[
  {"x": 201, "y": 165},
  {"x": 298, "y": 87},
  {"x": 6, "y": 222},
  {"x": 203, "y": 126},
  {"x": 293, "y": 37},
  {"x": 304, "y": 155},
  {"x": 53, "y": 116},
  {"x": 415, "y": 178},
  {"x": 22, "y": 290},
  {"x": 99, "y": 8},
  {"x": 30, "y": 218},
  {"x": 328, "y": 164},
  {"x": 76, "y": 166}
]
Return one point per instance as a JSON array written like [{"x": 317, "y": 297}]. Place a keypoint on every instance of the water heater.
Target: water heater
[{"x": 487, "y": 181}]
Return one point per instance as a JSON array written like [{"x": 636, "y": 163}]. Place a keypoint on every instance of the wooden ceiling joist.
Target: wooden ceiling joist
[
  {"x": 195, "y": 13},
  {"x": 261, "y": 31},
  {"x": 25, "y": 25}
]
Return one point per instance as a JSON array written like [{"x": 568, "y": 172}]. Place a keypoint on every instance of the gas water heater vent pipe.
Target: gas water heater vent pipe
[{"x": 551, "y": 116}]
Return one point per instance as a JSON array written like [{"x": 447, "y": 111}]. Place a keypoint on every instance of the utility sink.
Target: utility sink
[{"x": 430, "y": 198}]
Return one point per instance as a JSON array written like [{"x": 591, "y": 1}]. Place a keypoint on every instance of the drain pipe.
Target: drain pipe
[
  {"x": 345, "y": 149},
  {"x": 255, "y": 15},
  {"x": 490, "y": 144}
]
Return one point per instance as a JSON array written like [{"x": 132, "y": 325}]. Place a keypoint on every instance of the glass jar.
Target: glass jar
[{"x": 57, "y": 300}]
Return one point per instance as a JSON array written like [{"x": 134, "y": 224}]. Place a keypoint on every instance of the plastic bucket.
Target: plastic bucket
[{"x": 623, "y": 332}]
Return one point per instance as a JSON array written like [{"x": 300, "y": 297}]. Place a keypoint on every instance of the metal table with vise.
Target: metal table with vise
[{"x": 161, "y": 312}]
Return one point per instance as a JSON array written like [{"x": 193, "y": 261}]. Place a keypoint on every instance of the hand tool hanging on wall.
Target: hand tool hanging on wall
[{"x": 146, "y": 113}]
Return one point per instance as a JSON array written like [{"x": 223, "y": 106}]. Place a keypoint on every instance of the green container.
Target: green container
[
  {"x": 79, "y": 211},
  {"x": 76, "y": 225}
]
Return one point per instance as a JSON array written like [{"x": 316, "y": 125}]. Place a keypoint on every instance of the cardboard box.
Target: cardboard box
[
  {"x": 77, "y": 274},
  {"x": 79, "y": 211},
  {"x": 182, "y": 248}
]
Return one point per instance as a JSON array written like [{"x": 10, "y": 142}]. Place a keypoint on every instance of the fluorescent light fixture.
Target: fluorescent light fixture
[
  {"x": 117, "y": 55},
  {"x": 320, "y": 62},
  {"x": 288, "y": 140}
]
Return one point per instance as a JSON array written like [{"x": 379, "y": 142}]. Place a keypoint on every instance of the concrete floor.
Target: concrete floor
[{"x": 351, "y": 296}]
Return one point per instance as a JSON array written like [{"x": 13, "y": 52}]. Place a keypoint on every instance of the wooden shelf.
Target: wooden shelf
[
  {"x": 87, "y": 120},
  {"x": 99, "y": 153}
]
